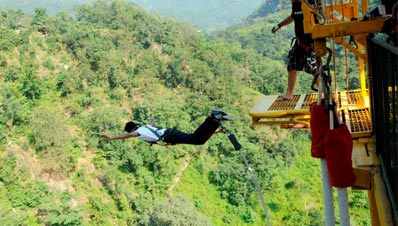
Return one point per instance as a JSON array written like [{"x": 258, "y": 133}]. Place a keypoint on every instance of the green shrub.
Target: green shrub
[{"x": 28, "y": 195}]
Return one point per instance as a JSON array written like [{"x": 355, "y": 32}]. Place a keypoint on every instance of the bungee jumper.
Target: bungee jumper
[{"x": 171, "y": 136}]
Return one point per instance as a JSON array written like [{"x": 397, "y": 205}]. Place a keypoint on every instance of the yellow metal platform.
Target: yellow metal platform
[{"x": 296, "y": 114}]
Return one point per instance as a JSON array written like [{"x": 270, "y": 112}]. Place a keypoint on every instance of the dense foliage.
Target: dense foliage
[{"x": 64, "y": 80}]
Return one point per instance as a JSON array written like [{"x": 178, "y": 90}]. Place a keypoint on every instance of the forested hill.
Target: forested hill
[{"x": 64, "y": 80}]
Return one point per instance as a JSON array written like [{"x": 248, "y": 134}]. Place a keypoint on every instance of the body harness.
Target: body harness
[{"x": 160, "y": 138}]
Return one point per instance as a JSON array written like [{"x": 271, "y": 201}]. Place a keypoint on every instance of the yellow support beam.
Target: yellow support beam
[
  {"x": 340, "y": 20},
  {"x": 382, "y": 202},
  {"x": 368, "y": 176},
  {"x": 338, "y": 31},
  {"x": 354, "y": 50},
  {"x": 374, "y": 216},
  {"x": 364, "y": 153},
  {"x": 347, "y": 28},
  {"x": 363, "y": 179}
]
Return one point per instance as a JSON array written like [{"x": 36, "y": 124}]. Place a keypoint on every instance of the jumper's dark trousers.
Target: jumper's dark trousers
[{"x": 200, "y": 136}]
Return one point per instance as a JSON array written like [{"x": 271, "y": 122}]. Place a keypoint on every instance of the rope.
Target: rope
[
  {"x": 238, "y": 147},
  {"x": 342, "y": 9},
  {"x": 334, "y": 71},
  {"x": 346, "y": 69},
  {"x": 324, "y": 88},
  {"x": 315, "y": 11},
  {"x": 326, "y": 187},
  {"x": 342, "y": 194},
  {"x": 332, "y": 10}
]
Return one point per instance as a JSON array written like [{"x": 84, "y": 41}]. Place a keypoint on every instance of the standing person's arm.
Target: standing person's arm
[
  {"x": 121, "y": 136},
  {"x": 288, "y": 20}
]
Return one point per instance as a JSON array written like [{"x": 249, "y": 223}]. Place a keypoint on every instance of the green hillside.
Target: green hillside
[{"x": 64, "y": 80}]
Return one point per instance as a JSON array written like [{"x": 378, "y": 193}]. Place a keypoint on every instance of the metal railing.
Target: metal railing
[{"x": 383, "y": 63}]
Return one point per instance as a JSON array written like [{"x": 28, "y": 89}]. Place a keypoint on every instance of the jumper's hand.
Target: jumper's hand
[{"x": 275, "y": 28}]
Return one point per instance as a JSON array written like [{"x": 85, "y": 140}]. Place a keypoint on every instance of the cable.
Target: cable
[{"x": 238, "y": 147}]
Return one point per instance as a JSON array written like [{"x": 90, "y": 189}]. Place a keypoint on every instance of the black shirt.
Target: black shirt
[{"x": 298, "y": 16}]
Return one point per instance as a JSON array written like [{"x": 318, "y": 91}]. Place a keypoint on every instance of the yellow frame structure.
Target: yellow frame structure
[
  {"x": 337, "y": 22},
  {"x": 337, "y": 28}
]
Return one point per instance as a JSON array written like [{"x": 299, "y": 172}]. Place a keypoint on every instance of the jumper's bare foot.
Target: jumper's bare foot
[{"x": 285, "y": 97}]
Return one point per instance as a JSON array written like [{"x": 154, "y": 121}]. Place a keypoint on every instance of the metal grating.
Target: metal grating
[
  {"x": 308, "y": 100},
  {"x": 296, "y": 114},
  {"x": 353, "y": 97},
  {"x": 284, "y": 105},
  {"x": 360, "y": 121}
]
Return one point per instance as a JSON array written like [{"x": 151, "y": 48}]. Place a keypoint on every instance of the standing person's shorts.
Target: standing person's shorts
[{"x": 303, "y": 58}]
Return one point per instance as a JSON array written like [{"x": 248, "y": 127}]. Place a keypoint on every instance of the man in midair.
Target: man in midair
[{"x": 172, "y": 136}]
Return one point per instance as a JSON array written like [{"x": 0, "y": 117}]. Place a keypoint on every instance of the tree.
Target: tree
[
  {"x": 177, "y": 211},
  {"x": 49, "y": 129},
  {"x": 60, "y": 213},
  {"x": 9, "y": 39},
  {"x": 234, "y": 182},
  {"x": 39, "y": 20},
  {"x": 26, "y": 195},
  {"x": 8, "y": 173},
  {"x": 31, "y": 85},
  {"x": 12, "y": 110}
]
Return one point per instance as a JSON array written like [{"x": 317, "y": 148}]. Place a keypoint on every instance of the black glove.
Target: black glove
[{"x": 275, "y": 28}]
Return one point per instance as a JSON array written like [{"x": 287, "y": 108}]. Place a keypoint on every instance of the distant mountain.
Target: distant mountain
[
  {"x": 53, "y": 6},
  {"x": 206, "y": 15}
]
